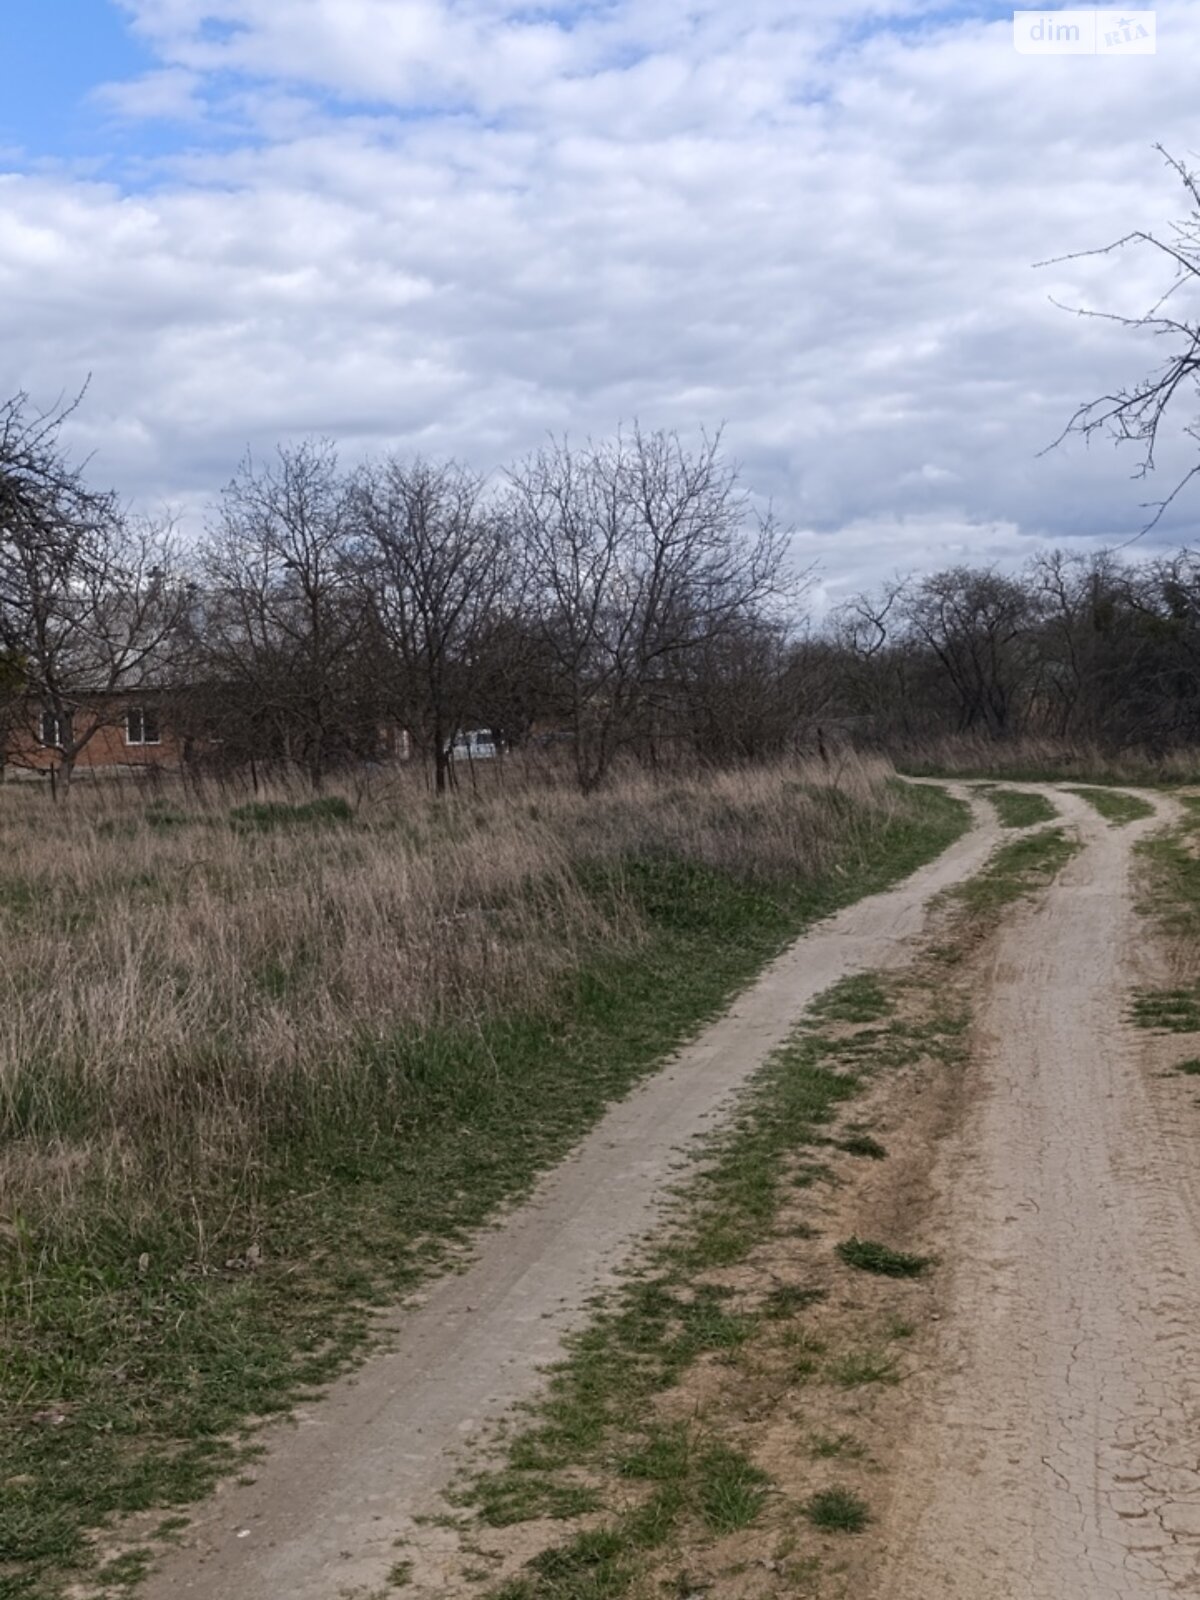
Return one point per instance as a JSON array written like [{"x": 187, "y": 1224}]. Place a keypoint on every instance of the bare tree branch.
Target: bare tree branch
[{"x": 1138, "y": 414}]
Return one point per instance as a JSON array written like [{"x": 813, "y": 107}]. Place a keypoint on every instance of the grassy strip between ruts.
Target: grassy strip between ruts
[
  {"x": 129, "y": 1375},
  {"x": 1019, "y": 808},
  {"x": 1172, "y": 897},
  {"x": 1115, "y": 805},
  {"x": 1172, "y": 861},
  {"x": 654, "y": 1488},
  {"x": 1015, "y": 869}
]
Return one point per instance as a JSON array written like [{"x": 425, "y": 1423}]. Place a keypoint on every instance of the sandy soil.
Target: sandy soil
[
  {"x": 337, "y": 1491},
  {"x": 1053, "y": 1448}
]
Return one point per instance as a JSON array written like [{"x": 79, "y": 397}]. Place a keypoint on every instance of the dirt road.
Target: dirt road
[
  {"x": 1050, "y": 1447},
  {"x": 336, "y": 1492},
  {"x": 1055, "y": 1453}
]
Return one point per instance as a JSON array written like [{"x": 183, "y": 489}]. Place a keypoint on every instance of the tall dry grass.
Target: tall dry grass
[
  {"x": 1032, "y": 759},
  {"x": 184, "y": 995}
]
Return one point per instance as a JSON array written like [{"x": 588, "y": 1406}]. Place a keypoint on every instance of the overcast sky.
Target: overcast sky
[{"x": 456, "y": 225}]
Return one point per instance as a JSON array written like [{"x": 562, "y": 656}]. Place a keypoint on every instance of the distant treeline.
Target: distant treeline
[
  {"x": 1095, "y": 648},
  {"x": 618, "y": 600}
]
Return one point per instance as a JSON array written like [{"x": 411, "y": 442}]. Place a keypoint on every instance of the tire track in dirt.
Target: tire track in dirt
[
  {"x": 1054, "y": 1453},
  {"x": 336, "y": 1492}
]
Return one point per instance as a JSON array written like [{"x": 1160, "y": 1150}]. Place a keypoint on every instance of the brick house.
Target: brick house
[{"x": 131, "y": 732}]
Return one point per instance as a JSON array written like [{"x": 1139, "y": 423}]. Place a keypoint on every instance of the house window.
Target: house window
[
  {"x": 141, "y": 726},
  {"x": 55, "y": 731}
]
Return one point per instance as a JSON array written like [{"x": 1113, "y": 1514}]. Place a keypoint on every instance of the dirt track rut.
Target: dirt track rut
[
  {"x": 1056, "y": 1453},
  {"x": 336, "y": 1492}
]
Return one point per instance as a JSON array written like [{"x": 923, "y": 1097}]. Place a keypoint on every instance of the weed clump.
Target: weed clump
[
  {"x": 732, "y": 1490},
  {"x": 837, "y": 1511},
  {"x": 868, "y": 1255},
  {"x": 788, "y": 1299},
  {"x": 861, "y": 1144}
]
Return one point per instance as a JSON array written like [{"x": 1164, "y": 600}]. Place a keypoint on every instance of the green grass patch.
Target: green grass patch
[
  {"x": 868, "y": 1255},
  {"x": 731, "y": 1490},
  {"x": 506, "y": 1498},
  {"x": 854, "y": 1368},
  {"x": 1019, "y": 808},
  {"x": 837, "y": 1511},
  {"x": 265, "y": 815},
  {"x": 860, "y": 998},
  {"x": 1167, "y": 1010},
  {"x": 1172, "y": 862},
  {"x": 1018, "y": 869},
  {"x": 590, "y": 1566},
  {"x": 1115, "y": 805},
  {"x": 1190, "y": 1068},
  {"x": 662, "y": 1455}
]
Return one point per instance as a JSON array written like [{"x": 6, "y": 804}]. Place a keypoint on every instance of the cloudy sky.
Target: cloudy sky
[{"x": 456, "y": 225}]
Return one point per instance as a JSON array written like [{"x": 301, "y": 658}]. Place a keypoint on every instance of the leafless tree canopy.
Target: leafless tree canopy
[
  {"x": 1141, "y": 413},
  {"x": 90, "y": 598},
  {"x": 284, "y": 613},
  {"x": 641, "y": 559},
  {"x": 438, "y": 565}
]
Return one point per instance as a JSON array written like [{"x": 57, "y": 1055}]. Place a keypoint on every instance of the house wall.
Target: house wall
[{"x": 106, "y": 748}]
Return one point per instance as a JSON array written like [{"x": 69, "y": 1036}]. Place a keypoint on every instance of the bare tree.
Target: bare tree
[
  {"x": 1140, "y": 413},
  {"x": 1089, "y": 640},
  {"x": 754, "y": 692},
  {"x": 880, "y": 663},
  {"x": 1160, "y": 693},
  {"x": 638, "y": 551},
  {"x": 439, "y": 568},
  {"x": 88, "y": 596},
  {"x": 975, "y": 623},
  {"x": 284, "y": 608}
]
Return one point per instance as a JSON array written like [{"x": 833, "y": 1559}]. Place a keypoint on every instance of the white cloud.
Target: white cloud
[
  {"x": 693, "y": 215},
  {"x": 172, "y": 93}
]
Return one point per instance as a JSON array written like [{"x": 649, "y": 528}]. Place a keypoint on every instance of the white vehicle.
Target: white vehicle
[{"x": 477, "y": 745}]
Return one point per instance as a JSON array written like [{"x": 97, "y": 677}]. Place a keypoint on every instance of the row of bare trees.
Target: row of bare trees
[
  {"x": 582, "y": 593},
  {"x": 619, "y": 597},
  {"x": 608, "y": 594}
]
